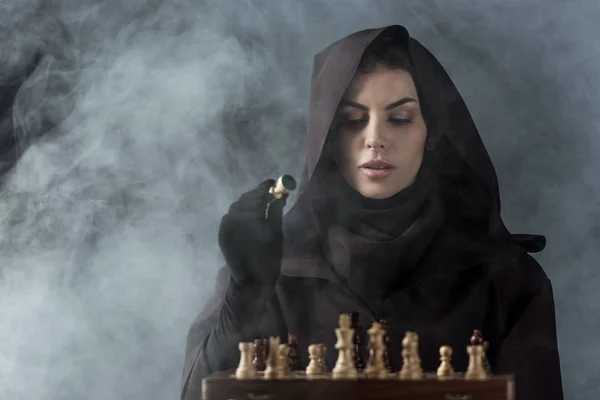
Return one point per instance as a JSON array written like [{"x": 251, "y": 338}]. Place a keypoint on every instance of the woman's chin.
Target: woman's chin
[
  {"x": 380, "y": 190},
  {"x": 376, "y": 193}
]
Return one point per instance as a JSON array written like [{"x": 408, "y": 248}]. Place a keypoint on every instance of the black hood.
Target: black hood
[{"x": 467, "y": 176}]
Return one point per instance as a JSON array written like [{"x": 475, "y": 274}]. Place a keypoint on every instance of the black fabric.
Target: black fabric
[
  {"x": 460, "y": 232},
  {"x": 244, "y": 306},
  {"x": 467, "y": 178},
  {"x": 368, "y": 241},
  {"x": 251, "y": 238},
  {"x": 375, "y": 242},
  {"x": 235, "y": 313}
]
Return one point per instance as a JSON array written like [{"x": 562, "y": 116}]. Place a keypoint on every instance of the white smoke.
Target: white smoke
[{"x": 143, "y": 120}]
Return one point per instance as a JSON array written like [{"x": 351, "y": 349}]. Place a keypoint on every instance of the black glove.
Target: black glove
[{"x": 251, "y": 239}]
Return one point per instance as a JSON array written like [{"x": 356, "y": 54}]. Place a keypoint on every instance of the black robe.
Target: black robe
[{"x": 470, "y": 272}]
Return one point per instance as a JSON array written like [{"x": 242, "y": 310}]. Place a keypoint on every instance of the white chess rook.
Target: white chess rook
[
  {"x": 271, "y": 372},
  {"x": 246, "y": 369}
]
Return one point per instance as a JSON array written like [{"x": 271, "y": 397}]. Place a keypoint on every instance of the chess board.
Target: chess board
[
  {"x": 298, "y": 386},
  {"x": 277, "y": 375}
]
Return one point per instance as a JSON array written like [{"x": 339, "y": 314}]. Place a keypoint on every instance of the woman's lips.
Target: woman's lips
[{"x": 379, "y": 173}]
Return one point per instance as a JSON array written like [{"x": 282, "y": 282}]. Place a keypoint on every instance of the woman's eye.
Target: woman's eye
[
  {"x": 399, "y": 121},
  {"x": 354, "y": 122}
]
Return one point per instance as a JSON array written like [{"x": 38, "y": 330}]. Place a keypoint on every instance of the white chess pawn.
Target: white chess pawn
[
  {"x": 246, "y": 369},
  {"x": 445, "y": 369},
  {"x": 313, "y": 369}
]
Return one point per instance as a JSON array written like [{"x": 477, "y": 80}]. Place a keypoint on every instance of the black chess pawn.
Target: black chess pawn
[
  {"x": 359, "y": 362},
  {"x": 476, "y": 339},
  {"x": 260, "y": 354},
  {"x": 293, "y": 358},
  {"x": 386, "y": 343}
]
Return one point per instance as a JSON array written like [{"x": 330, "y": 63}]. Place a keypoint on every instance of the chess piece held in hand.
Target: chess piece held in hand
[
  {"x": 344, "y": 367},
  {"x": 285, "y": 185},
  {"x": 376, "y": 367},
  {"x": 245, "y": 369},
  {"x": 445, "y": 369},
  {"x": 476, "y": 369}
]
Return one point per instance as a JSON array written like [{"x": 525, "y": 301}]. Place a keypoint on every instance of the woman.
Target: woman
[{"x": 398, "y": 218}]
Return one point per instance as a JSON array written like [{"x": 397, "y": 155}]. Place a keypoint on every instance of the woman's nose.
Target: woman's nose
[{"x": 375, "y": 137}]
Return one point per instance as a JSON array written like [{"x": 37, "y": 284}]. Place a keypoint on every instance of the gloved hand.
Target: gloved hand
[{"x": 251, "y": 240}]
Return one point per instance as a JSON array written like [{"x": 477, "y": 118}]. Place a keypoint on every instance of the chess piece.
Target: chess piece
[
  {"x": 386, "y": 345},
  {"x": 260, "y": 354},
  {"x": 476, "y": 351},
  {"x": 245, "y": 369},
  {"x": 344, "y": 367},
  {"x": 475, "y": 370},
  {"x": 271, "y": 371},
  {"x": 321, "y": 357},
  {"x": 283, "y": 365},
  {"x": 358, "y": 358},
  {"x": 293, "y": 359},
  {"x": 411, "y": 361},
  {"x": 417, "y": 371},
  {"x": 445, "y": 369},
  {"x": 486, "y": 363},
  {"x": 285, "y": 185},
  {"x": 376, "y": 367},
  {"x": 405, "y": 371},
  {"x": 476, "y": 339},
  {"x": 315, "y": 356}
]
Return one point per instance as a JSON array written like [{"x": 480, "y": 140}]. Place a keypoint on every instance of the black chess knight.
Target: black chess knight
[
  {"x": 387, "y": 346},
  {"x": 358, "y": 345}
]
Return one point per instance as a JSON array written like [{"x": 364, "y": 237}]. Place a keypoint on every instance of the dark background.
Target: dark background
[{"x": 140, "y": 121}]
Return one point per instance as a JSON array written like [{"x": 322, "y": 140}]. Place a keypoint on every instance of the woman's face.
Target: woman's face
[{"x": 381, "y": 133}]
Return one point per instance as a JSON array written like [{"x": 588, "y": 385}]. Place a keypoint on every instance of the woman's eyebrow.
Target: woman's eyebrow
[
  {"x": 354, "y": 104},
  {"x": 395, "y": 104},
  {"x": 400, "y": 102}
]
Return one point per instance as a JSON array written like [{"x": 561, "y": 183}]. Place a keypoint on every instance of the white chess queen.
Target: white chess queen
[{"x": 397, "y": 217}]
